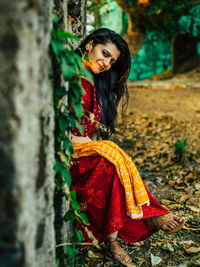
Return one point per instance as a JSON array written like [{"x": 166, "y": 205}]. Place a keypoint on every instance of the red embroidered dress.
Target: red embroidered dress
[{"x": 98, "y": 187}]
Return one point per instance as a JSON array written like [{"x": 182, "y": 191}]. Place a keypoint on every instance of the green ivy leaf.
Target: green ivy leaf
[
  {"x": 76, "y": 91},
  {"x": 80, "y": 128},
  {"x": 74, "y": 124},
  {"x": 66, "y": 174},
  {"x": 75, "y": 204},
  {"x": 69, "y": 71},
  {"x": 83, "y": 217},
  {"x": 69, "y": 216},
  {"x": 78, "y": 111},
  {"x": 61, "y": 91},
  {"x": 55, "y": 18},
  {"x": 78, "y": 237},
  {"x": 57, "y": 47},
  {"x": 78, "y": 61},
  {"x": 70, "y": 253},
  {"x": 88, "y": 76},
  {"x": 64, "y": 35},
  {"x": 63, "y": 123},
  {"x": 68, "y": 145},
  {"x": 57, "y": 166},
  {"x": 73, "y": 194},
  {"x": 57, "y": 262}
]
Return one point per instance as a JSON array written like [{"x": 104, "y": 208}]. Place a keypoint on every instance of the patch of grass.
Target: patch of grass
[
  {"x": 164, "y": 117},
  {"x": 182, "y": 233},
  {"x": 178, "y": 248},
  {"x": 180, "y": 149},
  {"x": 194, "y": 221}
]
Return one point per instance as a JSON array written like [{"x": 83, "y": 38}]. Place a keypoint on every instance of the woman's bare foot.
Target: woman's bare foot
[
  {"x": 117, "y": 252},
  {"x": 172, "y": 224},
  {"x": 168, "y": 223}
]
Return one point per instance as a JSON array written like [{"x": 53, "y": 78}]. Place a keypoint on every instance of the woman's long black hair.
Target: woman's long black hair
[{"x": 110, "y": 85}]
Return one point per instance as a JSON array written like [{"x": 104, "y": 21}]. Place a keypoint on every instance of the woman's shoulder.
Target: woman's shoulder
[{"x": 86, "y": 83}]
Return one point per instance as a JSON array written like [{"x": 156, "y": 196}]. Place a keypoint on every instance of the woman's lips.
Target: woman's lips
[{"x": 100, "y": 67}]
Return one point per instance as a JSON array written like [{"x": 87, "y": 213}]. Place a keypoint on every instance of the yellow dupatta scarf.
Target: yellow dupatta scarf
[{"x": 135, "y": 192}]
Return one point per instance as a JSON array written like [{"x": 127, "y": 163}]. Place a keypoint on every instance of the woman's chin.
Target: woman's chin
[{"x": 95, "y": 70}]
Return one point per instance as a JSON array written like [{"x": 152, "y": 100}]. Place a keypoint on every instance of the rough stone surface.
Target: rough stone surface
[
  {"x": 27, "y": 142},
  {"x": 27, "y": 235}
]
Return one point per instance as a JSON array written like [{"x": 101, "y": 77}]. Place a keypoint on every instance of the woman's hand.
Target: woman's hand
[{"x": 80, "y": 139}]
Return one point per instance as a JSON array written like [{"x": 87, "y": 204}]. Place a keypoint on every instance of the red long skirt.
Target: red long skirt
[{"x": 99, "y": 189}]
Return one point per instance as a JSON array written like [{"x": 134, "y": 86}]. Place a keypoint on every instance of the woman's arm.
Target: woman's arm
[{"x": 80, "y": 139}]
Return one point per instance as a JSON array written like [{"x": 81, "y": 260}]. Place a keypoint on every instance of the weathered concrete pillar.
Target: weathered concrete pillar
[
  {"x": 27, "y": 142},
  {"x": 27, "y": 236}
]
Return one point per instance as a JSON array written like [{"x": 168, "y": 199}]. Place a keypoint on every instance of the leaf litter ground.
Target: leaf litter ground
[{"x": 157, "y": 117}]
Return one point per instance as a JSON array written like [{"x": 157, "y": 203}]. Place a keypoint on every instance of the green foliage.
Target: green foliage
[
  {"x": 182, "y": 233},
  {"x": 157, "y": 49},
  {"x": 190, "y": 23},
  {"x": 161, "y": 15},
  {"x": 68, "y": 111},
  {"x": 180, "y": 149}
]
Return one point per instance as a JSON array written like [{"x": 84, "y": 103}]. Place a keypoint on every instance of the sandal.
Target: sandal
[
  {"x": 119, "y": 254},
  {"x": 158, "y": 222}
]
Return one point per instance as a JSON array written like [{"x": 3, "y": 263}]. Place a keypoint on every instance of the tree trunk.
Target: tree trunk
[
  {"x": 184, "y": 53},
  {"x": 134, "y": 37}
]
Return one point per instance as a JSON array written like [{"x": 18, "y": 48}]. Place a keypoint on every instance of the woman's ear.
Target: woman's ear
[{"x": 89, "y": 46}]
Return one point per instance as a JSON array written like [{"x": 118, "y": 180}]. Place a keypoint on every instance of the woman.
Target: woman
[{"x": 115, "y": 205}]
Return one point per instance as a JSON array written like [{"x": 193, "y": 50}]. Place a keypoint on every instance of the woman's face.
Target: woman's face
[{"x": 101, "y": 57}]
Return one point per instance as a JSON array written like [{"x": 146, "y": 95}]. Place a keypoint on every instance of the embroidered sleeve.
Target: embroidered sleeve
[{"x": 90, "y": 108}]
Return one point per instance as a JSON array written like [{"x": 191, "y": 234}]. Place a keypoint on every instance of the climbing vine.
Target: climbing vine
[{"x": 68, "y": 111}]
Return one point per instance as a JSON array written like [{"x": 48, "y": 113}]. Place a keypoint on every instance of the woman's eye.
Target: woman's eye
[{"x": 105, "y": 54}]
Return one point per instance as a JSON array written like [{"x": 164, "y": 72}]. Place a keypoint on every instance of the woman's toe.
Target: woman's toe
[
  {"x": 177, "y": 219},
  {"x": 173, "y": 225}
]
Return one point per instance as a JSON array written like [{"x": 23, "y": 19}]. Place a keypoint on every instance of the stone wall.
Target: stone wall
[
  {"x": 27, "y": 236},
  {"x": 74, "y": 22},
  {"x": 27, "y": 143}
]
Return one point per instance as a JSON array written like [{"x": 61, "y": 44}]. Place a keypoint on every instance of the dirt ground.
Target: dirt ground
[
  {"x": 178, "y": 97},
  {"x": 161, "y": 132}
]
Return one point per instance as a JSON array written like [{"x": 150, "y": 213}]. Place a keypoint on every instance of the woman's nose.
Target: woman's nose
[{"x": 106, "y": 63}]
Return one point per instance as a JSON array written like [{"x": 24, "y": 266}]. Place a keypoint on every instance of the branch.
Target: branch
[
  {"x": 79, "y": 244},
  {"x": 196, "y": 3},
  {"x": 125, "y": 6}
]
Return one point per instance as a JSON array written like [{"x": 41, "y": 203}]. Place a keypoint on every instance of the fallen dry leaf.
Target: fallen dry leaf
[
  {"x": 166, "y": 202},
  {"x": 182, "y": 199},
  {"x": 175, "y": 206},
  {"x": 192, "y": 208},
  {"x": 140, "y": 261},
  {"x": 157, "y": 244},
  {"x": 192, "y": 250},
  {"x": 186, "y": 242},
  {"x": 139, "y": 244},
  {"x": 194, "y": 202},
  {"x": 95, "y": 255},
  {"x": 130, "y": 265},
  {"x": 168, "y": 247}
]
